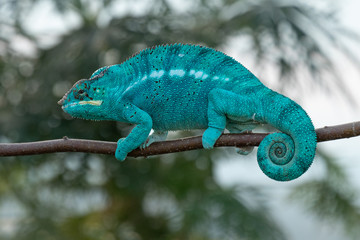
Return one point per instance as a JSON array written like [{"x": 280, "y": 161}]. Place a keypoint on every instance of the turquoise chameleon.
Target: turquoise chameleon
[{"x": 183, "y": 87}]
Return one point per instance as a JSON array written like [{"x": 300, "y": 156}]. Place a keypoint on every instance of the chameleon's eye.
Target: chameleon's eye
[{"x": 81, "y": 91}]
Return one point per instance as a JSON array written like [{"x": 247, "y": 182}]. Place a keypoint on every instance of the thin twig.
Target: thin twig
[{"x": 185, "y": 144}]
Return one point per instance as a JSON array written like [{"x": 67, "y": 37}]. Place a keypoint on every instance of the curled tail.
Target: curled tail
[{"x": 287, "y": 155}]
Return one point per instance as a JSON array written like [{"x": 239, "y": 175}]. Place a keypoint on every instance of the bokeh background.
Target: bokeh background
[{"x": 306, "y": 50}]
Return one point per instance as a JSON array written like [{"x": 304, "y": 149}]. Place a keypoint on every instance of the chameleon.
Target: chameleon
[{"x": 184, "y": 87}]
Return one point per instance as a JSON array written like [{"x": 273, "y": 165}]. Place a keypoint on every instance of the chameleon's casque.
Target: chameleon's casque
[{"x": 178, "y": 87}]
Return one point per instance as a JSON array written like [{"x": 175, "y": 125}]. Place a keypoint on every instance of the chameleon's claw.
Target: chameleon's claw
[
  {"x": 244, "y": 150},
  {"x": 119, "y": 153},
  {"x": 210, "y": 137},
  {"x": 144, "y": 145},
  {"x": 156, "y": 136}
]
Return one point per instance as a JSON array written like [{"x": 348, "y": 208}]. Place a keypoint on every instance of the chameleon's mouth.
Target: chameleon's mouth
[{"x": 90, "y": 102}]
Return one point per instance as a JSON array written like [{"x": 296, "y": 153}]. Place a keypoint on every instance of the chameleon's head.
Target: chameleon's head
[{"x": 86, "y": 98}]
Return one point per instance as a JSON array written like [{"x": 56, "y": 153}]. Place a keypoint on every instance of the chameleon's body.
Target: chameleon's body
[{"x": 182, "y": 87}]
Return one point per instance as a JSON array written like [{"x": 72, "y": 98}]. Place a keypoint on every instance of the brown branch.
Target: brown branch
[{"x": 185, "y": 144}]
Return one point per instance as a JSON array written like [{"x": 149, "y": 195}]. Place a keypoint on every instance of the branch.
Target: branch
[{"x": 185, "y": 144}]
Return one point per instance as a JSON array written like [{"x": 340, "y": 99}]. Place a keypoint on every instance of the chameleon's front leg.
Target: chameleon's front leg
[{"x": 138, "y": 135}]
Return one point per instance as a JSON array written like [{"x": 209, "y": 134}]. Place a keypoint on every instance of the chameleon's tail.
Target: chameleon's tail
[{"x": 286, "y": 156}]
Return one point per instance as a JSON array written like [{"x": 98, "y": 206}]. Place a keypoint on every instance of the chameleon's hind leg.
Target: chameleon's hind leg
[
  {"x": 223, "y": 104},
  {"x": 235, "y": 127},
  {"x": 156, "y": 136}
]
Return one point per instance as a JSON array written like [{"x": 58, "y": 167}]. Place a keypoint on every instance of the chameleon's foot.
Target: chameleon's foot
[
  {"x": 120, "y": 154},
  {"x": 210, "y": 136},
  {"x": 156, "y": 136},
  {"x": 244, "y": 150}
]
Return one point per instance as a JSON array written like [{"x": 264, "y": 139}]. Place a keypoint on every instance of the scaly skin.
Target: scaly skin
[{"x": 182, "y": 87}]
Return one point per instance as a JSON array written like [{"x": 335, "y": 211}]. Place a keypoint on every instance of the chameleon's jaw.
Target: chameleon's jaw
[{"x": 84, "y": 109}]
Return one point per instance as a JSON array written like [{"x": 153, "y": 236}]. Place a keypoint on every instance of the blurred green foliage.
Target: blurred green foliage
[{"x": 86, "y": 197}]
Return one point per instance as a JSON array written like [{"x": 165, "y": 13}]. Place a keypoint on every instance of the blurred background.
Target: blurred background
[{"x": 308, "y": 51}]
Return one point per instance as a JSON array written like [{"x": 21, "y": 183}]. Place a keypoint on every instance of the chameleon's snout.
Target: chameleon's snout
[{"x": 61, "y": 101}]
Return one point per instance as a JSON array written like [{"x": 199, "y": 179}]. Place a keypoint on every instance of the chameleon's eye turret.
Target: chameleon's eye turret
[
  {"x": 81, "y": 94},
  {"x": 83, "y": 99},
  {"x": 77, "y": 92}
]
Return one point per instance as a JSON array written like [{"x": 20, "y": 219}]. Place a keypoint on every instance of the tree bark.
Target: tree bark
[{"x": 185, "y": 144}]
